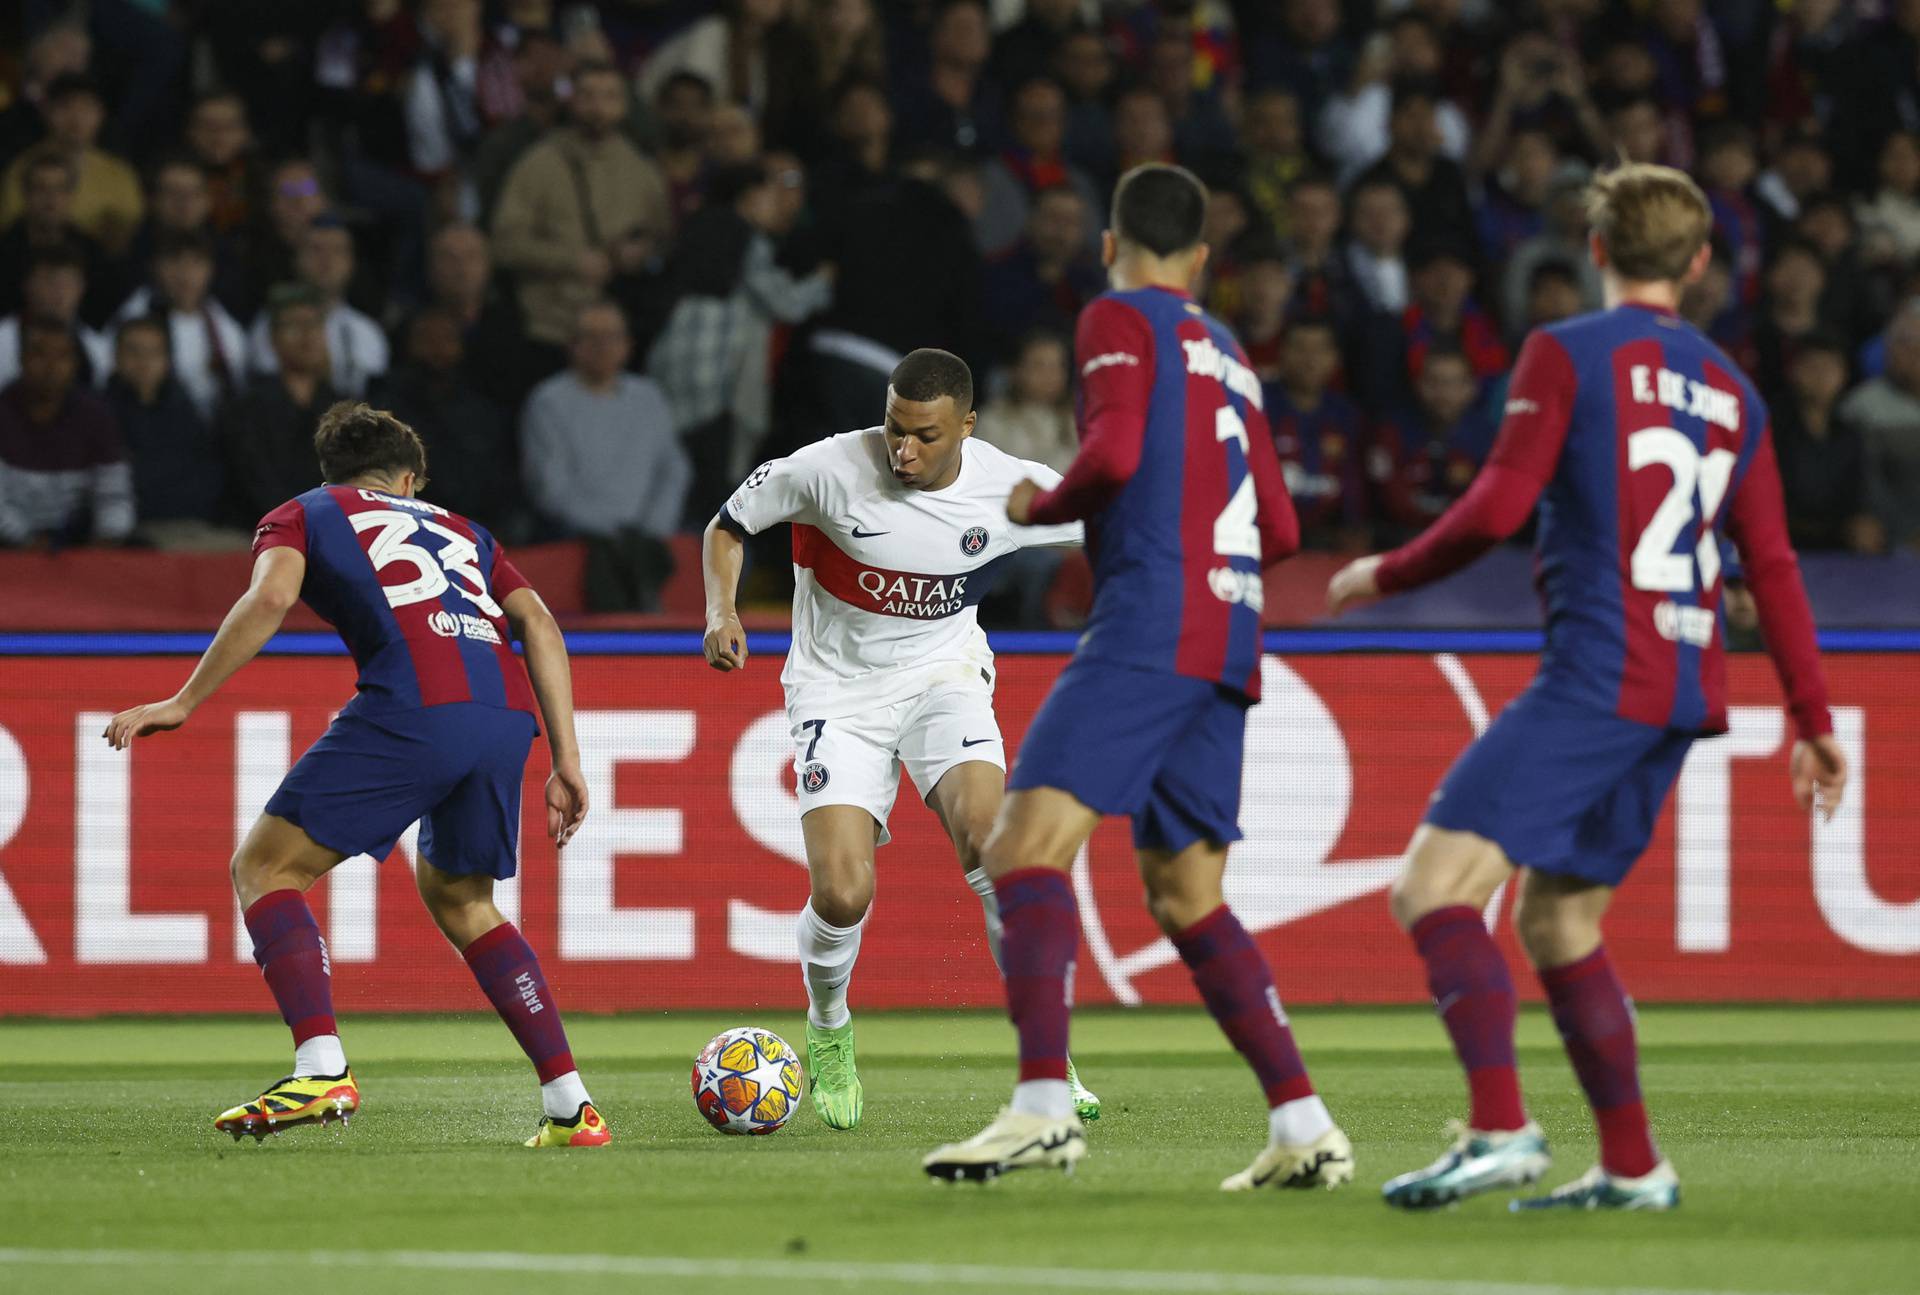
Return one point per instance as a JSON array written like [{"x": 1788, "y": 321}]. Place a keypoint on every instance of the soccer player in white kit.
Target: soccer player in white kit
[{"x": 896, "y": 533}]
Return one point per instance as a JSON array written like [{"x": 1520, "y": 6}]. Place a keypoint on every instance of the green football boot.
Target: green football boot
[
  {"x": 831, "y": 1074},
  {"x": 1479, "y": 1161},
  {"x": 1599, "y": 1190},
  {"x": 1085, "y": 1104}
]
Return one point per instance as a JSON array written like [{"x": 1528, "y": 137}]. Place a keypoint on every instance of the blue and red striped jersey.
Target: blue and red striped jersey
[
  {"x": 1179, "y": 486},
  {"x": 415, "y": 592},
  {"x": 1643, "y": 444}
]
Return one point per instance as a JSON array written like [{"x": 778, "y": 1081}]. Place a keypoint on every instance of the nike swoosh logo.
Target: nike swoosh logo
[
  {"x": 976, "y": 741},
  {"x": 859, "y": 534}
]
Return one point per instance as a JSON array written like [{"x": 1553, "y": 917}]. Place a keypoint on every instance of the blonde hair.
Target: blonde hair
[{"x": 1653, "y": 220}]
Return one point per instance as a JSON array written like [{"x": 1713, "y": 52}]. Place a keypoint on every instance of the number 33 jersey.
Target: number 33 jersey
[
  {"x": 887, "y": 579},
  {"x": 415, "y": 592}
]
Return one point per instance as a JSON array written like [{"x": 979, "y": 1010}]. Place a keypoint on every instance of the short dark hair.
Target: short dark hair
[
  {"x": 685, "y": 78},
  {"x": 727, "y": 184},
  {"x": 285, "y": 297},
  {"x": 57, "y": 256},
  {"x": 928, "y": 374},
  {"x": 68, "y": 84},
  {"x": 152, "y": 323},
  {"x": 355, "y": 439},
  {"x": 1552, "y": 268},
  {"x": 1160, "y": 208}
]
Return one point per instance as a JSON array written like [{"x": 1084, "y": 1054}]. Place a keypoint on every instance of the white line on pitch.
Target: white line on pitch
[{"x": 904, "y": 1274}]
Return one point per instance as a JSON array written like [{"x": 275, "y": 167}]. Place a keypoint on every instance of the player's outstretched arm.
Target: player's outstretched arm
[
  {"x": 722, "y": 553},
  {"x": 255, "y": 618},
  {"x": 552, "y": 677}
]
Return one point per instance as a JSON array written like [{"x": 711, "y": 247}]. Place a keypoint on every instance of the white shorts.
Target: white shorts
[{"x": 856, "y": 759}]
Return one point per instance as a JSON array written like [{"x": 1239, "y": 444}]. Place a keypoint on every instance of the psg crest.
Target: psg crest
[
  {"x": 813, "y": 778},
  {"x": 973, "y": 540}
]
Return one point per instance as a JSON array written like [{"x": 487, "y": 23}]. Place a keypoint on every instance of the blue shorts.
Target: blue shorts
[
  {"x": 454, "y": 769},
  {"x": 1161, "y": 748},
  {"x": 1562, "y": 788}
]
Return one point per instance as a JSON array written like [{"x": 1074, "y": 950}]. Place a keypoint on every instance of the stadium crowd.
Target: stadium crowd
[{"x": 607, "y": 256}]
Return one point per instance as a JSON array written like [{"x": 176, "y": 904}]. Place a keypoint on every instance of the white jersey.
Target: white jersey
[{"x": 887, "y": 579}]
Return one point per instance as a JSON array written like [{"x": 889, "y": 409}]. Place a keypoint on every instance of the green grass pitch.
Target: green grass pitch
[{"x": 1796, "y": 1132}]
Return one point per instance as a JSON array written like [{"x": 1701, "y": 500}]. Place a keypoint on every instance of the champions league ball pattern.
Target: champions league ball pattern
[{"x": 747, "y": 1081}]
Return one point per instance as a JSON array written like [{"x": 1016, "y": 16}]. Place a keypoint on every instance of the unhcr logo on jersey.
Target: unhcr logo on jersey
[{"x": 454, "y": 625}]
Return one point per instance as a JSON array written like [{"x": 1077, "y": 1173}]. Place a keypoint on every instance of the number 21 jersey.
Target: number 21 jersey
[{"x": 415, "y": 593}]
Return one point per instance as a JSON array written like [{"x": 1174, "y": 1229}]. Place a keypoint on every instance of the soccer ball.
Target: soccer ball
[{"x": 747, "y": 1081}]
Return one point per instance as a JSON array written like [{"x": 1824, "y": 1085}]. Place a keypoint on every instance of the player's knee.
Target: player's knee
[
  {"x": 842, "y": 899},
  {"x": 1410, "y": 898},
  {"x": 970, "y": 842},
  {"x": 1553, "y": 934}
]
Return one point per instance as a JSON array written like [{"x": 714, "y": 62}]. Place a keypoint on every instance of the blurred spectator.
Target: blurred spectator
[
  {"x": 749, "y": 53},
  {"x": 46, "y": 221},
  {"x": 1275, "y": 155},
  {"x": 1422, "y": 458},
  {"x": 1887, "y": 412},
  {"x": 1444, "y": 315},
  {"x": 1890, "y": 217},
  {"x": 295, "y": 200},
  {"x": 56, "y": 280},
  {"x": 734, "y": 137},
  {"x": 460, "y": 281},
  {"x": 955, "y": 105},
  {"x": 1801, "y": 168},
  {"x": 179, "y": 476},
  {"x": 106, "y": 200},
  {"x": 858, "y": 150},
  {"x": 1541, "y": 86},
  {"x": 1434, "y": 185},
  {"x": 222, "y": 142},
  {"x": 1514, "y": 208},
  {"x": 1202, "y": 136},
  {"x": 847, "y": 43},
  {"x": 683, "y": 114},
  {"x": 1031, "y": 162},
  {"x": 1312, "y": 59},
  {"x": 450, "y": 95},
  {"x": 1727, "y": 167},
  {"x": 1789, "y": 311},
  {"x": 208, "y": 350},
  {"x": 1026, "y": 50},
  {"x": 178, "y": 203},
  {"x": 1354, "y": 125},
  {"x": 1034, "y": 421},
  {"x": 1376, "y": 244},
  {"x": 1323, "y": 284},
  {"x": 1084, "y": 67},
  {"x": 1637, "y": 131},
  {"x": 61, "y": 49},
  {"x": 726, "y": 289},
  {"x": 1823, "y": 467},
  {"x": 267, "y": 430},
  {"x": 1564, "y": 239},
  {"x": 471, "y": 456},
  {"x": 1553, "y": 294},
  {"x": 1229, "y": 220},
  {"x": 1317, "y": 433},
  {"x": 1266, "y": 288},
  {"x": 539, "y": 67},
  {"x": 1047, "y": 277},
  {"x": 1142, "y": 131},
  {"x": 1709, "y": 306},
  {"x": 356, "y": 346},
  {"x": 909, "y": 277},
  {"x": 601, "y": 461},
  {"x": 64, "y": 477},
  {"x": 579, "y": 209}
]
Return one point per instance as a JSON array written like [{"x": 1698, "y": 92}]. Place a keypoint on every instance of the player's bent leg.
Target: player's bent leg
[
  {"x": 508, "y": 973},
  {"x": 1028, "y": 855},
  {"x": 1304, "y": 1147},
  {"x": 967, "y": 799},
  {"x": 272, "y": 871},
  {"x": 1439, "y": 899},
  {"x": 840, "y": 842},
  {"x": 1558, "y": 919}
]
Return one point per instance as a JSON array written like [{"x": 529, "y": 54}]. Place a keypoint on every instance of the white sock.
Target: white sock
[
  {"x": 982, "y": 885},
  {"x": 1048, "y": 1097},
  {"x": 320, "y": 1055},
  {"x": 561, "y": 1097},
  {"x": 1298, "y": 1123},
  {"x": 827, "y": 955}
]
